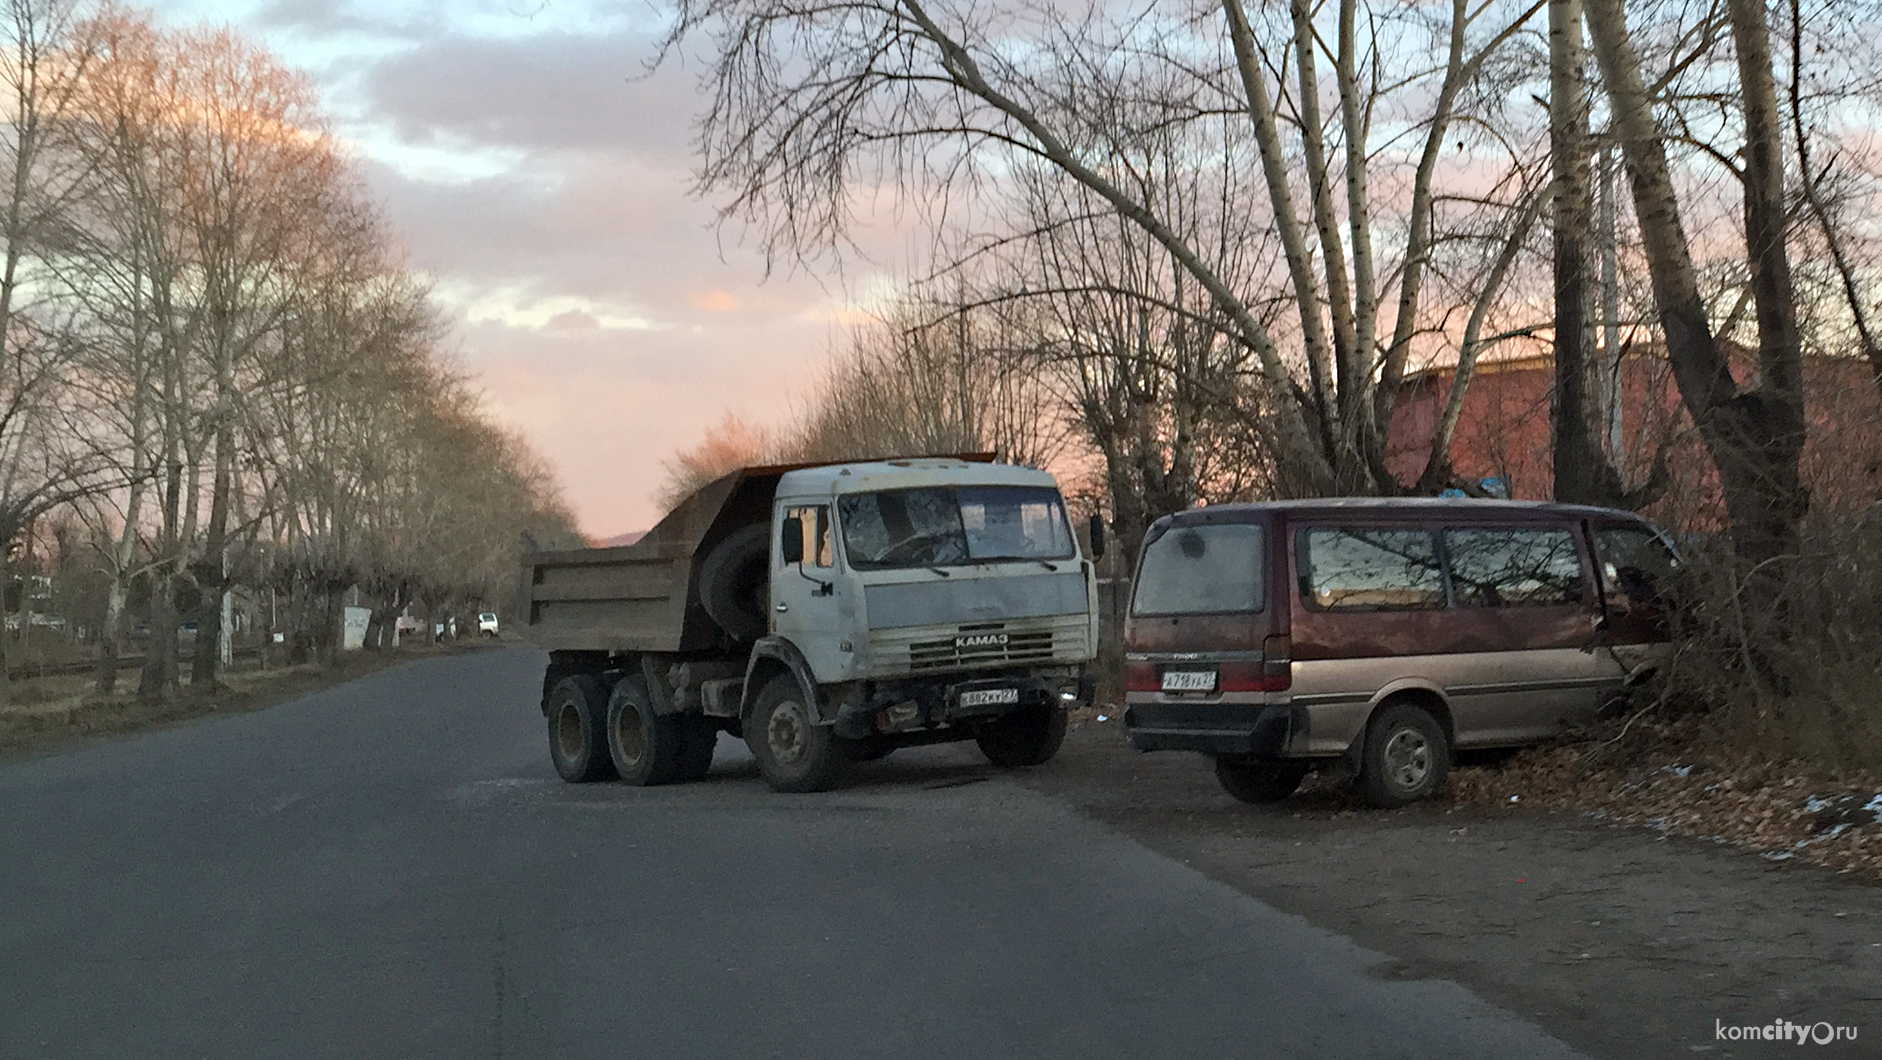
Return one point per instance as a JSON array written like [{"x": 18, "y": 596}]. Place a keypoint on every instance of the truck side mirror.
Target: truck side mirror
[
  {"x": 792, "y": 543},
  {"x": 1097, "y": 536}
]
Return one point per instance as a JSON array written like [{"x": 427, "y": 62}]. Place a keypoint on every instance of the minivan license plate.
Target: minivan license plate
[
  {"x": 987, "y": 697},
  {"x": 1189, "y": 680}
]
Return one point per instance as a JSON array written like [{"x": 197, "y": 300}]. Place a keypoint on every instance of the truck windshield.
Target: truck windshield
[{"x": 954, "y": 525}]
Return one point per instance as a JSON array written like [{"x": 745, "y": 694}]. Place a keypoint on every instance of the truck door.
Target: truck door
[{"x": 804, "y": 602}]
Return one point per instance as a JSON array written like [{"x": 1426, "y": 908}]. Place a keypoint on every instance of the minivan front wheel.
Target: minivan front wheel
[{"x": 1406, "y": 757}]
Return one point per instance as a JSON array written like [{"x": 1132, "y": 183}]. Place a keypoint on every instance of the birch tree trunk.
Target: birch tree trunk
[{"x": 1582, "y": 472}]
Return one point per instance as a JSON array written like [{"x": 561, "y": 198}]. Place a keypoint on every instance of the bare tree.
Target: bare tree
[
  {"x": 43, "y": 463},
  {"x": 936, "y": 372},
  {"x": 1754, "y": 434},
  {"x": 811, "y": 100}
]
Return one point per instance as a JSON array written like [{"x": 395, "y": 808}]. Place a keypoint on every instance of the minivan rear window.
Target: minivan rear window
[
  {"x": 1196, "y": 570},
  {"x": 1513, "y": 567},
  {"x": 1369, "y": 569}
]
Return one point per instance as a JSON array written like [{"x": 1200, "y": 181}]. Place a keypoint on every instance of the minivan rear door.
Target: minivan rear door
[
  {"x": 1199, "y": 614},
  {"x": 1530, "y": 649}
]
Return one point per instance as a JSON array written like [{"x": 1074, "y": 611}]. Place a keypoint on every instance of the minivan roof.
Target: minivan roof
[{"x": 1420, "y": 506}]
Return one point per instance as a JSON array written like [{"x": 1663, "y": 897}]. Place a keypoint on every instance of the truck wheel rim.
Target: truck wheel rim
[
  {"x": 1407, "y": 758},
  {"x": 568, "y": 731},
  {"x": 630, "y": 740},
  {"x": 785, "y": 735}
]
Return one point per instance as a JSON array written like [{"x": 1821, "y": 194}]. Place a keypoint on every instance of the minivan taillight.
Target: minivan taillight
[
  {"x": 1140, "y": 677},
  {"x": 1242, "y": 677}
]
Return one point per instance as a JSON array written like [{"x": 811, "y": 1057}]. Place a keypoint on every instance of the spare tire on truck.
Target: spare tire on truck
[{"x": 734, "y": 582}]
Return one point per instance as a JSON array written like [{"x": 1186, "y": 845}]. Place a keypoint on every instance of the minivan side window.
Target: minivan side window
[
  {"x": 1368, "y": 569},
  {"x": 1514, "y": 567},
  {"x": 1199, "y": 570}
]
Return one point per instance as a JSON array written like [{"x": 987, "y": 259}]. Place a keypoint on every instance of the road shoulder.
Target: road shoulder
[
  {"x": 1624, "y": 942},
  {"x": 68, "y": 715}
]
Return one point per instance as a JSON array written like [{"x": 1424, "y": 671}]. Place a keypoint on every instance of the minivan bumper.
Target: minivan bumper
[{"x": 1243, "y": 730}]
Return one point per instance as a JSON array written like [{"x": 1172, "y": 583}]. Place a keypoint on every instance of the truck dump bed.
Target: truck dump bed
[{"x": 643, "y": 597}]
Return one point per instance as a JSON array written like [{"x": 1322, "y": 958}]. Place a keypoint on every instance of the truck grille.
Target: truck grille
[{"x": 1057, "y": 639}]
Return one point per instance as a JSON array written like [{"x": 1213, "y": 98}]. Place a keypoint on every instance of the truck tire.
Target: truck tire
[
  {"x": 1026, "y": 737},
  {"x": 1258, "y": 782},
  {"x": 734, "y": 582},
  {"x": 1406, "y": 756},
  {"x": 577, "y": 711},
  {"x": 794, "y": 753},
  {"x": 646, "y": 747},
  {"x": 699, "y": 736}
]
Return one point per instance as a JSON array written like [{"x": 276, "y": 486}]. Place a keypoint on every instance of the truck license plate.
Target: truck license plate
[
  {"x": 987, "y": 697},
  {"x": 1189, "y": 680}
]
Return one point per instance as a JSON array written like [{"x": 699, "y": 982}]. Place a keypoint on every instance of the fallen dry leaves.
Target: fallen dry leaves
[{"x": 1685, "y": 778}]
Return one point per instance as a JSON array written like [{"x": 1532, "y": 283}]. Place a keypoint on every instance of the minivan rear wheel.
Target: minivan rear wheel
[
  {"x": 1257, "y": 782},
  {"x": 1406, "y": 757}
]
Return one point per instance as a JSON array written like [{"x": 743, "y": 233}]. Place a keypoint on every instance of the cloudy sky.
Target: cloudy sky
[{"x": 540, "y": 177}]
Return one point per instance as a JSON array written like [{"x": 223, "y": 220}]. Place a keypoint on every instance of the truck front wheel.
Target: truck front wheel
[
  {"x": 794, "y": 753},
  {"x": 578, "y": 744},
  {"x": 1026, "y": 737}
]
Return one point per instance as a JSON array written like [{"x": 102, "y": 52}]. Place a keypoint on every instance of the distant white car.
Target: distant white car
[{"x": 487, "y": 623}]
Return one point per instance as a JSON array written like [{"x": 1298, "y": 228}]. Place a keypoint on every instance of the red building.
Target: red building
[{"x": 1504, "y": 433}]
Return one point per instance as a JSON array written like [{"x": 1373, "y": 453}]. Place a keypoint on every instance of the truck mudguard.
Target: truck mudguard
[{"x": 778, "y": 651}]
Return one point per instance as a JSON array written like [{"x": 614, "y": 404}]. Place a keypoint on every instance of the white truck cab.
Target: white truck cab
[{"x": 884, "y": 570}]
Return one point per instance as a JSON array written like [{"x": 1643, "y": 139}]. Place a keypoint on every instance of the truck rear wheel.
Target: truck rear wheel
[
  {"x": 646, "y": 747},
  {"x": 734, "y": 582},
  {"x": 578, "y": 743},
  {"x": 1026, "y": 737},
  {"x": 794, "y": 753},
  {"x": 699, "y": 736}
]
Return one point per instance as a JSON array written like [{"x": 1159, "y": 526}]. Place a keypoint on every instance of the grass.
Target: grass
[{"x": 51, "y": 713}]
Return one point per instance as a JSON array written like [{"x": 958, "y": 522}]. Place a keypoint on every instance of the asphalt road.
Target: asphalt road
[{"x": 390, "y": 869}]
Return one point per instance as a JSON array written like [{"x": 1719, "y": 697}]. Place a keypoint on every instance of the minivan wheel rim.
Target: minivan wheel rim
[
  {"x": 1408, "y": 758},
  {"x": 568, "y": 732},
  {"x": 784, "y": 734}
]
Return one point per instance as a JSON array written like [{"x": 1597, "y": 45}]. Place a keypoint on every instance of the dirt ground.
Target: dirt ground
[
  {"x": 1624, "y": 941},
  {"x": 49, "y": 713}
]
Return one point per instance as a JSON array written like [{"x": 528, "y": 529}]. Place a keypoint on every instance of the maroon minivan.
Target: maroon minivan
[{"x": 1384, "y": 633}]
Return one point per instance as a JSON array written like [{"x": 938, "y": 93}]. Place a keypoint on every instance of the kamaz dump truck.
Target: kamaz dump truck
[{"x": 827, "y": 614}]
